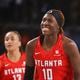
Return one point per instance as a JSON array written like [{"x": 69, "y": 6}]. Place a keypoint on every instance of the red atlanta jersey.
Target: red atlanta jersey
[
  {"x": 53, "y": 64},
  {"x": 12, "y": 70}
]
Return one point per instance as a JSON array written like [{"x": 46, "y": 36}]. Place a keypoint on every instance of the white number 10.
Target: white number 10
[{"x": 47, "y": 74}]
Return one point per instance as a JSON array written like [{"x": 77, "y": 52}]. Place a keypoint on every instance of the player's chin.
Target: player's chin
[
  {"x": 9, "y": 48},
  {"x": 45, "y": 33}
]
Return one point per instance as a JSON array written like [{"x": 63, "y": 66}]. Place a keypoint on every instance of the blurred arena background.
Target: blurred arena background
[{"x": 25, "y": 16}]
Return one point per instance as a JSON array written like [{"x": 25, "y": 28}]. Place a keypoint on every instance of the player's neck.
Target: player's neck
[
  {"x": 49, "y": 41},
  {"x": 14, "y": 56}
]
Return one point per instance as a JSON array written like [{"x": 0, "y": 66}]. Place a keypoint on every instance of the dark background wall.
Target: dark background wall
[{"x": 25, "y": 16}]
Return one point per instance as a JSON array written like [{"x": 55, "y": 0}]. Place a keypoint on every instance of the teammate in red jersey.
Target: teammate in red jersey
[
  {"x": 52, "y": 55},
  {"x": 12, "y": 62}
]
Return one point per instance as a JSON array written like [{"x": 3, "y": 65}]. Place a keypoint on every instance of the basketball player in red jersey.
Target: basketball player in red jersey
[
  {"x": 52, "y": 55},
  {"x": 12, "y": 62}
]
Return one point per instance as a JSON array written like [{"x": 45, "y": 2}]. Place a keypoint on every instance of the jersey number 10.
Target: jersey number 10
[{"x": 47, "y": 74}]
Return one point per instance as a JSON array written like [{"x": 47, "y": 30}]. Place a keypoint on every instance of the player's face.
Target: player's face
[
  {"x": 12, "y": 41},
  {"x": 49, "y": 25}
]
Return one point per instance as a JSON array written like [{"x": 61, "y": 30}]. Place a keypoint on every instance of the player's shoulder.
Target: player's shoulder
[
  {"x": 32, "y": 42},
  {"x": 2, "y": 59},
  {"x": 68, "y": 41},
  {"x": 2, "y": 56},
  {"x": 70, "y": 47},
  {"x": 23, "y": 54}
]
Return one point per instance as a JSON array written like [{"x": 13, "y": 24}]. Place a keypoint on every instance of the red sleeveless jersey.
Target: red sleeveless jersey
[
  {"x": 12, "y": 70},
  {"x": 53, "y": 64}
]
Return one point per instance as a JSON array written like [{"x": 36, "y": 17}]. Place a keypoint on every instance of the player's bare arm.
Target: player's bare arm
[
  {"x": 73, "y": 53},
  {"x": 30, "y": 61}
]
